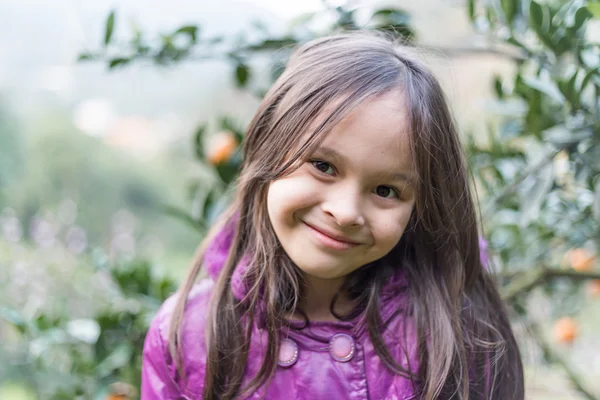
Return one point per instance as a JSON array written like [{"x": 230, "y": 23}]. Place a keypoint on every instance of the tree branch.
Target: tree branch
[
  {"x": 534, "y": 277},
  {"x": 462, "y": 51}
]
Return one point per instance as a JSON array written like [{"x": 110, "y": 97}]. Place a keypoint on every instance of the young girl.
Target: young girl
[{"x": 347, "y": 266}]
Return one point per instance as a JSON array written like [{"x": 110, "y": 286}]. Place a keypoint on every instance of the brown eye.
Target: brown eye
[
  {"x": 385, "y": 191},
  {"x": 323, "y": 167}
]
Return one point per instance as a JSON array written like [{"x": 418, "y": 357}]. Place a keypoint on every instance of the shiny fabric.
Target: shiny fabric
[{"x": 314, "y": 375}]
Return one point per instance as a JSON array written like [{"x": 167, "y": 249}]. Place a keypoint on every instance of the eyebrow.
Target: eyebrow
[{"x": 337, "y": 157}]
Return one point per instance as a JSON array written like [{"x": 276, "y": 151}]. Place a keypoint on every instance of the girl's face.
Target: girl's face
[{"x": 350, "y": 201}]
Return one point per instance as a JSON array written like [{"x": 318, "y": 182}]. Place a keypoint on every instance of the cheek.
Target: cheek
[
  {"x": 274, "y": 202},
  {"x": 289, "y": 195},
  {"x": 391, "y": 227}
]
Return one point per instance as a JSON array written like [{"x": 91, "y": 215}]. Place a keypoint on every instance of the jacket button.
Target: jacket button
[
  {"x": 341, "y": 347},
  {"x": 288, "y": 353}
]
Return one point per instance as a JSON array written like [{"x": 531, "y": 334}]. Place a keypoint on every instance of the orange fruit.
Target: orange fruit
[
  {"x": 121, "y": 391},
  {"x": 580, "y": 259},
  {"x": 593, "y": 288},
  {"x": 565, "y": 330},
  {"x": 223, "y": 148}
]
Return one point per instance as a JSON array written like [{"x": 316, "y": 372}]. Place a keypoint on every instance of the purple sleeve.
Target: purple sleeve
[{"x": 157, "y": 380}]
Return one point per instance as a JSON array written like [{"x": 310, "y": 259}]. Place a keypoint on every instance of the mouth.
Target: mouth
[{"x": 331, "y": 240}]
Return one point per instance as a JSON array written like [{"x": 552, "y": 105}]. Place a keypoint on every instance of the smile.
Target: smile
[{"x": 330, "y": 242}]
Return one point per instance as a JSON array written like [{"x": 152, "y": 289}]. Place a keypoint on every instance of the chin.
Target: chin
[{"x": 323, "y": 272}]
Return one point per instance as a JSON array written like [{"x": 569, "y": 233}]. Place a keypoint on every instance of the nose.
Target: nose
[{"x": 344, "y": 207}]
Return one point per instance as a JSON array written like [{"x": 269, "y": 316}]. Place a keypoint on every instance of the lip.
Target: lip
[{"x": 330, "y": 239}]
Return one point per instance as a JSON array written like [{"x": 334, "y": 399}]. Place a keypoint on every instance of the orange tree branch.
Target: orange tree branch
[{"x": 527, "y": 280}]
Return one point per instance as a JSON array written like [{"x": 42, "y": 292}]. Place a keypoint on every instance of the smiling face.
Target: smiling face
[{"x": 349, "y": 202}]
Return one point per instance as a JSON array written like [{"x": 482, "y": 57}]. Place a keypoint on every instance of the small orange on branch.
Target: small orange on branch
[
  {"x": 565, "y": 330},
  {"x": 223, "y": 147},
  {"x": 592, "y": 288},
  {"x": 580, "y": 259}
]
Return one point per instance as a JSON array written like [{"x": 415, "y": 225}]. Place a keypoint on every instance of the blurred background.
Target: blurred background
[{"x": 120, "y": 125}]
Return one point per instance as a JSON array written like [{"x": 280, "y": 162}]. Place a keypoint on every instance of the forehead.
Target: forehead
[{"x": 376, "y": 133}]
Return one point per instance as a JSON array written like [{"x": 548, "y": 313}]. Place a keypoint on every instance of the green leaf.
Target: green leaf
[
  {"x": 395, "y": 21},
  {"x": 110, "y": 26},
  {"x": 540, "y": 22},
  {"x": 242, "y": 73},
  {"x": 43, "y": 322},
  {"x": 14, "y": 318},
  {"x": 86, "y": 57},
  {"x": 581, "y": 16},
  {"x": 273, "y": 44},
  {"x": 198, "y": 141},
  {"x": 567, "y": 88},
  {"x": 509, "y": 7},
  {"x": 498, "y": 87},
  {"x": 512, "y": 40},
  {"x": 571, "y": 93},
  {"x": 563, "y": 44},
  {"x": 589, "y": 76},
  {"x": 164, "y": 288},
  {"x": 190, "y": 30},
  {"x": 471, "y": 10},
  {"x": 118, "y": 62},
  {"x": 536, "y": 14},
  {"x": 227, "y": 171},
  {"x": 594, "y": 8}
]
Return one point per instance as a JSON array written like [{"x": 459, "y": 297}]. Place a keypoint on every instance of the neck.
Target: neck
[{"x": 318, "y": 294}]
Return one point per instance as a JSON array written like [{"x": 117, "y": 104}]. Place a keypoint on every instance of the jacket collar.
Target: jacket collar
[{"x": 393, "y": 294}]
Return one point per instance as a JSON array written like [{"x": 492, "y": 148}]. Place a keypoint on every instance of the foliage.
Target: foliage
[
  {"x": 187, "y": 43},
  {"x": 80, "y": 358},
  {"x": 539, "y": 169},
  {"x": 536, "y": 170}
]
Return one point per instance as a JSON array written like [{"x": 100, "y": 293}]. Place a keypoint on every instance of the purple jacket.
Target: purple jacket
[{"x": 327, "y": 360}]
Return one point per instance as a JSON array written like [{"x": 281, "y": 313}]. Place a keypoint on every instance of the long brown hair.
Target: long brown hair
[{"x": 466, "y": 347}]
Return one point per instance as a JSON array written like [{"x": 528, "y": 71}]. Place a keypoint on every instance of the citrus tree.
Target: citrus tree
[{"x": 536, "y": 168}]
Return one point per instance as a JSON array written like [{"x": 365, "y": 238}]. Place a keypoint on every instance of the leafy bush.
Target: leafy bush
[{"x": 536, "y": 170}]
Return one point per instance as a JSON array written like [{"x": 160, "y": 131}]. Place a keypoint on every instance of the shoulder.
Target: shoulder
[
  {"x": 158, "y": 367},
  {"x": 196, "y": 309}
]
